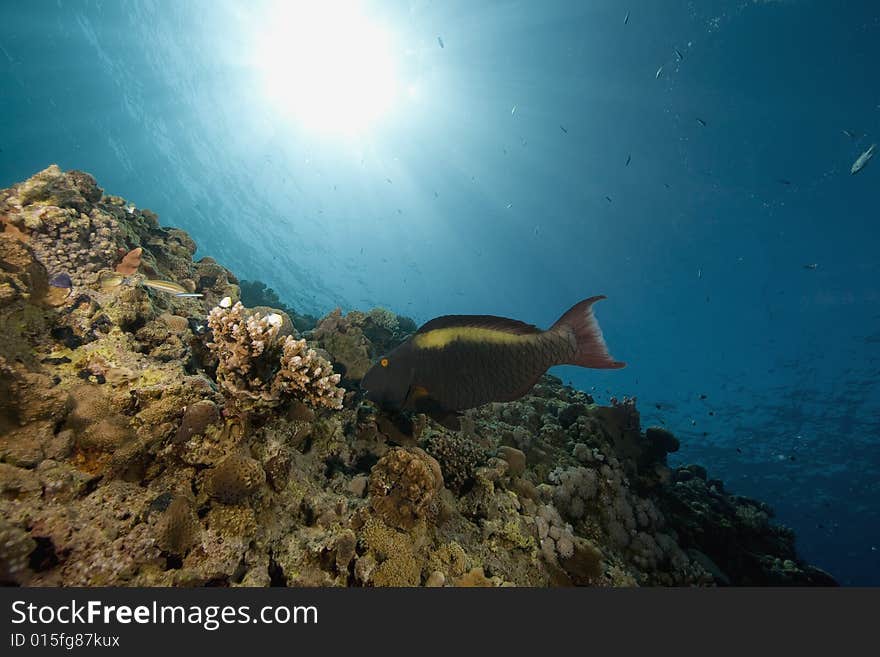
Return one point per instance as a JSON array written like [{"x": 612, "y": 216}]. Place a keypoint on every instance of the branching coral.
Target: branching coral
[
  {"x": 458, "y": 456},
  {"x": 259, "y": 370}
]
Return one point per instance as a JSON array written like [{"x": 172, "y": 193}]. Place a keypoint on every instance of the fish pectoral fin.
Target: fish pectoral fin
[
  {"x": 449, "y": 419},
  {"x": 415, "y": 395},
  {"x": 419, "y": 399}
]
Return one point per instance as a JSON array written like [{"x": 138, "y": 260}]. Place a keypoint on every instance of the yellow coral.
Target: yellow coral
[{"x": 399, "y": 565}]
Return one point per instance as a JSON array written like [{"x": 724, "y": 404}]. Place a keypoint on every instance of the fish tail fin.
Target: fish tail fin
[{"x": 591, "y": 350}]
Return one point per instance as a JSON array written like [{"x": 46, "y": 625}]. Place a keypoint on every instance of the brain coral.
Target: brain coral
[{"x": 403, "y": 484}]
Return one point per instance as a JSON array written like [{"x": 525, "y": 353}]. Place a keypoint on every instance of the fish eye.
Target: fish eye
[{"x": 384, "y": 362}]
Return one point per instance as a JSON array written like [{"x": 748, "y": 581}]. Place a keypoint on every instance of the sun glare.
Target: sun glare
[{"x": 327, "y": 65}]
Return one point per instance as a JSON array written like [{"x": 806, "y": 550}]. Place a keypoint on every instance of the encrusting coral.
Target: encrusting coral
[{"x": 143, "y": 445}]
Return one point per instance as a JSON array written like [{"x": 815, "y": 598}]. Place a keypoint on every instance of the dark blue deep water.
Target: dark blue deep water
[{"x": 740, "y": 257}]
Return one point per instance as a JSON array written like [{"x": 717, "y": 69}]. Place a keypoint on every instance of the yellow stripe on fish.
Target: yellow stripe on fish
[
  {"x": 439, "y": 338},
  {"x": 164, "y": 286}
]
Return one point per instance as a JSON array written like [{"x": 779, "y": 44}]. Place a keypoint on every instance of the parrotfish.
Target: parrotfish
[
  {"x": 456, "y": 362},
  {"x": 109, "y": 279}
]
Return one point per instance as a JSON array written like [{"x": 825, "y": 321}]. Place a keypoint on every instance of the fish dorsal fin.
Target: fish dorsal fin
[{"x": 488, "y": 322}]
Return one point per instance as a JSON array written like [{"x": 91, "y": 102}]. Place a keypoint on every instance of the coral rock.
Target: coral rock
[
  {"x": 179, "y": 527},
  {"x": 402, "y": 486},
  {"x": 196, "y": 419},
  {"x": 236, "y": 478},
  {"x": 259, "y": 371},
  {"x": 459, "y": 458}
]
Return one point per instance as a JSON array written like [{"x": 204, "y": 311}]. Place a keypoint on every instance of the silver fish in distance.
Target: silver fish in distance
[
  {"x": 165, "y": 286},
  {"x": 863, "y": 159}
]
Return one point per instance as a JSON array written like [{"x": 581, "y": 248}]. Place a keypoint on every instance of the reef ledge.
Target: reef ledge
[{"x": 153, "y": 439}]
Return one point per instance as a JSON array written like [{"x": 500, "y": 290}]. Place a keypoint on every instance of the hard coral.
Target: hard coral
[
  {"x": 178, "y": 528},
  {"x": 391, "y": 559},
  {"x": 259, "y": 370},
  {"x": 236, "y": 478},
  {"x": 403, "y": 484},
  {"x": 343, "y": 338},
  {"x": 458, "y": 456},
  {"x": 575, "y": 487},
  {"x": 53, "y": 208}
]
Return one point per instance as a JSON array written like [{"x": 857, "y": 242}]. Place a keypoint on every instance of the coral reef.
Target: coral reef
[
  {"x": 356, "y": 339},
  {"x": 403, "y": 485},
  {"x": 258, "y": 369},
  {"x": 458, "y": 455},
  {"x": 148, "y": 439},
  {"x": 256, "y": 293}
]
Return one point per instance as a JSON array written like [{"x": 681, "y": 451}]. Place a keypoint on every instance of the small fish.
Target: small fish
[
  {"x": 457, "y": 362},
  {"x": 812, "y": 265},
  {"x": 626, "y": 18},
  {"x": 189, "y": 295},
  {"x": 678, "y": 54},
  {"x": 61, "y": 280},
  {"x": 659, "y": 71},
  {"x": 225, "y": 302},
  {"x": 440, "y": 41},
  {"x": 562, "y": 127},
  {"x": 509, "y": 205},
  {"x": 699, "y": 273},
  {"x": 783, "y": 181},
  {"x": 130, "y": 209},
  {"x": 608, "y": 198},
  {"x": 628, "y": 160},
  {"x": 863, "y": 159},
  {"x": 108, "y": 279},
  {"x": 164, "y": 286},
  {"x": 701, "y": 122}
]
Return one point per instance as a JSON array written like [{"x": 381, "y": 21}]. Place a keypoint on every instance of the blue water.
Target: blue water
[{"x": 452, "y": 202}]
